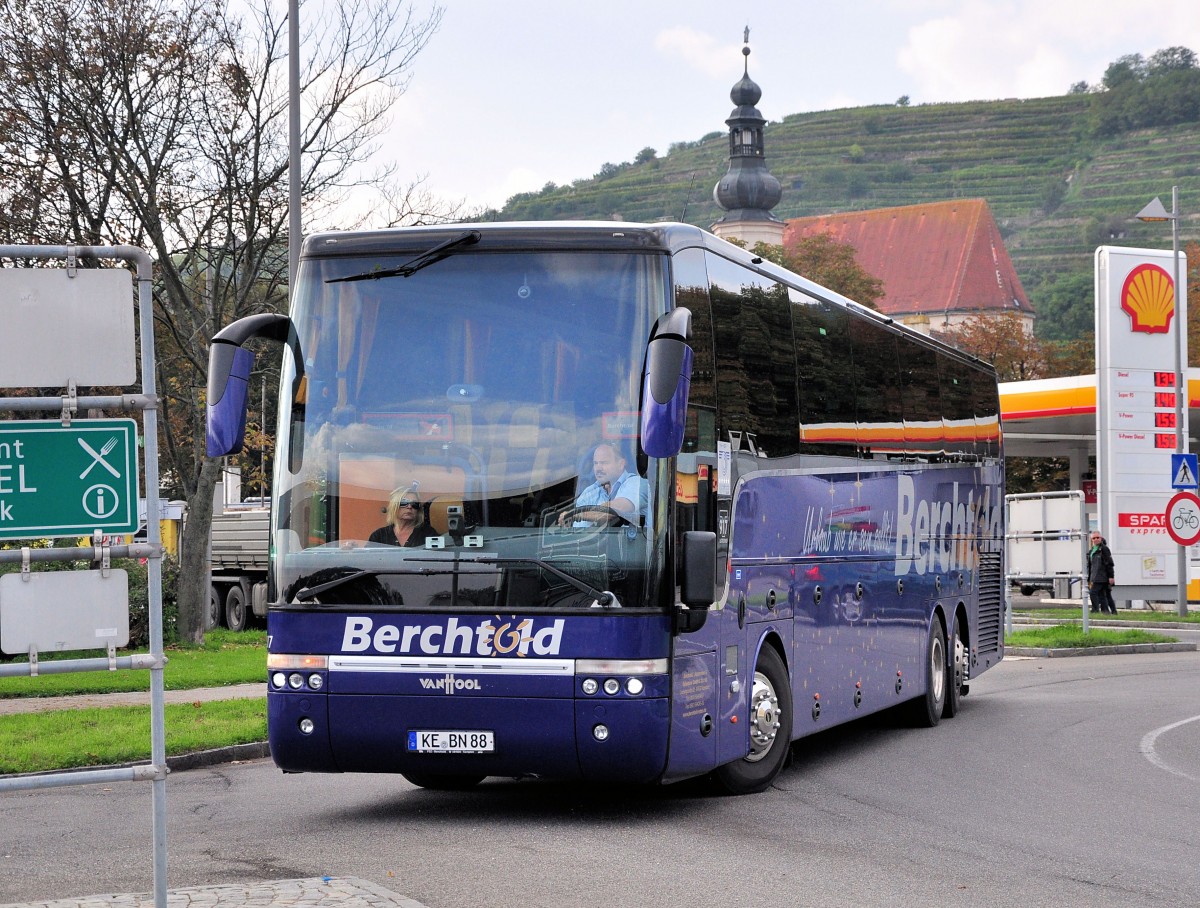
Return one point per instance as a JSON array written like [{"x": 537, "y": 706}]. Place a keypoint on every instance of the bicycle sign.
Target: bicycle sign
[{"x": 1183, "y": 518}]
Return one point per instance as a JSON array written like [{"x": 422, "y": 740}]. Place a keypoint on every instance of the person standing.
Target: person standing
[{"x": 1101, "y": 576}]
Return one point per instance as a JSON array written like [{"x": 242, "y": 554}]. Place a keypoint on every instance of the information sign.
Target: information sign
[
  {"x": 1183, "y": 471},
  {"x": 58, "y": 480}
]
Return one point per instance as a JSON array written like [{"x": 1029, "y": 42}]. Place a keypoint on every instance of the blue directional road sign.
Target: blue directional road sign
[
  {"x": 58, "y": 480},
  {"x": 1183, "y": 471}
]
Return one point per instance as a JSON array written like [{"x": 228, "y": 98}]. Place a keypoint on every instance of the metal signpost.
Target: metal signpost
[{"x": 72, "y": 327}]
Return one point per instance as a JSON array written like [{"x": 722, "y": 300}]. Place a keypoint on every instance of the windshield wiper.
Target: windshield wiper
[
  {"x": 309, "y": 592},
  {"x": 602, "y": 598},
  {"x": 437, "y": 253}
]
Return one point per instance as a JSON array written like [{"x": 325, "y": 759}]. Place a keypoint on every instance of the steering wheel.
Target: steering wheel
[{"x": 598, "y": 515}]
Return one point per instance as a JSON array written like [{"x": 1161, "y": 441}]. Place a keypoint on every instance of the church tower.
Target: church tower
[{"x": 748, "y": 191}]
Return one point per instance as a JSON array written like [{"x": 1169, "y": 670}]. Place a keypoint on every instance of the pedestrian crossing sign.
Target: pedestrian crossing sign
[{"x": 1183, "y": 471}]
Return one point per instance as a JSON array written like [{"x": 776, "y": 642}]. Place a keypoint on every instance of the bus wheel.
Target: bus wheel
[
  {"x": 957, "y": 680},
  {"x": 213, "y": 618},
  {"x": 927, "y": 709},
  {"x": 770, "y": 729},
  {"x": 235, "y": 609},
  {"x": 442, "y": 783}
]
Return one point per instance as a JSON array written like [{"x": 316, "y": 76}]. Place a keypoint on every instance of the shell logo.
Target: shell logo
[{"x": 1148, "y": 298}]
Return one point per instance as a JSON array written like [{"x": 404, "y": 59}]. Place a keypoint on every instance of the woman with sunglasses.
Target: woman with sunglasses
[{"x": 406, "y": 524}]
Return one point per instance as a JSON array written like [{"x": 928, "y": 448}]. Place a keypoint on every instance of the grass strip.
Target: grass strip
[
  {"x": 1146, "y": 615},
  {"x": 1062, "y": 636},
  {"x": 68, "y": 739},
  {"x": 227, "y": 657}
]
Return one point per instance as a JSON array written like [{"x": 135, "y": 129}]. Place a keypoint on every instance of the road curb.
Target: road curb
[
  {"x": 255, "y": 751},
  {"x": 1123, "y": 649}
]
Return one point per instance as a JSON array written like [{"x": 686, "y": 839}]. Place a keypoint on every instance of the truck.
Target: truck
[{"x": 238, "y": 559}]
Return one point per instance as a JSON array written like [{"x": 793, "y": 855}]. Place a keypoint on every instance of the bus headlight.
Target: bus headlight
[
  {"x": 295, "y": 680},
  {"x": 590, "y": 686},
  {"x": 306, "y": 726},
  {"x": 600, "y": 732},
  {"x": 634, "y": 686},
  {"x": 315, "y": 682},
  {"x": 612, "y": 686},
  {"x": 279, "y": 679}
]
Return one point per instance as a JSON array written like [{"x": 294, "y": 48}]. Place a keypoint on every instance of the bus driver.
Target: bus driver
[{"x": 615, "y": 490}]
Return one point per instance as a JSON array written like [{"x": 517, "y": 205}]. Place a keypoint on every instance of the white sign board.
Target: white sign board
[
  {"x": 58, "y": 611},
  {"x": 62, "y": 325},
  {"x": 1045, "y": 534},
  {"x": 1136, "y": 403}
]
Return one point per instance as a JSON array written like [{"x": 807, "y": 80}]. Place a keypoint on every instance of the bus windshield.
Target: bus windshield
[{"x": 465, "y": 433}]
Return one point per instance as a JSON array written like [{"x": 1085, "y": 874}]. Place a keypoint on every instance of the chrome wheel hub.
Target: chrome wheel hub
[{"x": 764, "y": 717}]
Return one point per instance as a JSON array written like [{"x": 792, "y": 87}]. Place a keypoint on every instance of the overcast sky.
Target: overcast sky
[{"x": 511, "y": 94}]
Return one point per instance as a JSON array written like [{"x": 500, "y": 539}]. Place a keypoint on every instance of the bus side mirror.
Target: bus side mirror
[
  {"x": 229, "y": 365},
  {"x": 228, "y": 387},
  {"x": 698, "y": 585},
  {"x": 666, "y": 381}
]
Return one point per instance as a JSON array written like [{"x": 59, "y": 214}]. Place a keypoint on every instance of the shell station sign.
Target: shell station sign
[{"x": 1136, "y": 413}]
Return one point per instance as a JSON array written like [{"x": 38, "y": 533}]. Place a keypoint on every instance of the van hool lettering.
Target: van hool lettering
[{"x": 485, "y": 638}]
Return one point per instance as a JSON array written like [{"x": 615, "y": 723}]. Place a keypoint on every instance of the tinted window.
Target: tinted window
[
  {"x": 756, "y": 369},
  {"x": 923, "y": 431},
  {"x": 877, "y": 388},
  {"x": 825, "y": 374},
  {"x": 958, "y": 406}
]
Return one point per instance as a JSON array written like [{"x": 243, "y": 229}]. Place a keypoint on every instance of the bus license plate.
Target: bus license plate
[{"x": 452, "y": 742}]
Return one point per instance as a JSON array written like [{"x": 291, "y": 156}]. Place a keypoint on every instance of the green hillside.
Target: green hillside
[{"x": 1056, "y": 190}]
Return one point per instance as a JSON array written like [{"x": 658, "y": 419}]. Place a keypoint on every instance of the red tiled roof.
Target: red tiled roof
[{"x": 932, "y": 258}]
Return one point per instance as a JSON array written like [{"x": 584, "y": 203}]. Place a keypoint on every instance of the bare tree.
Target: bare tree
[{"x": 163, "y": 123}]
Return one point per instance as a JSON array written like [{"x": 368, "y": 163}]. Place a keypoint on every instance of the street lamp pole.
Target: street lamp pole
[
  {"x": 294, "y": 235},
  {"x": 1155, "y": 212}
]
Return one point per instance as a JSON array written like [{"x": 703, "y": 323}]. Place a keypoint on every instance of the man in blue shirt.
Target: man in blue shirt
[{"x": 615, "y": 488}]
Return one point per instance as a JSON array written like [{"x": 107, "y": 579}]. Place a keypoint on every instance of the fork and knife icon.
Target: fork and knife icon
[{"x": 98, "y": 457}]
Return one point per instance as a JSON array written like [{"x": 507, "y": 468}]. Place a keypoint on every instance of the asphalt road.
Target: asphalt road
[{"x": 1062, "y": 782}]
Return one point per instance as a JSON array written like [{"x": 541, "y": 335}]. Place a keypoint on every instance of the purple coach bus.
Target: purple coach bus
[{"x": 665, "y": 507}]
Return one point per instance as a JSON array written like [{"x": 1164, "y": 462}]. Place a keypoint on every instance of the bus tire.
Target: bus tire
[
  {"x": 442, "y": 783},
  {"x": 927, "y": 708},
  {"x": 770, "y": 726},
  {"x": 956, "y": 683},
  {"x": 235, "y": 608},
  {"x": 213, "y": 618}
]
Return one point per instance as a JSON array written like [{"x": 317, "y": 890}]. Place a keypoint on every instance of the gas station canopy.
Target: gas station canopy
[{"x": 1056, "y": 417}]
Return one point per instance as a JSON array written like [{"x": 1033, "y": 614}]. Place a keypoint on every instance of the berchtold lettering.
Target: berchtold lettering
[{"x": 490, "y": 637}]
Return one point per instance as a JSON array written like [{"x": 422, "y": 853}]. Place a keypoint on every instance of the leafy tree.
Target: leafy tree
[
  {"x": 164, "y": 125},
  {"x": 1123, "y": 71},
  {"x": 1070, "y": 357},
  {"x": 1138, "y": 94},
  {"x": 1002, "y": 341},
  {"x": 646, "y": 154},
  {"x": 1170, "y": 59},
  {"x": 830, "y": 263},
  {"x": 902, "y": 101}
]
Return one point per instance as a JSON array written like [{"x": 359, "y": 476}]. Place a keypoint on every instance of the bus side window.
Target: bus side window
[
  {"x": 825, "y": 373},
  {"x": 878, "y": 405},
  {"x": 755, "y": 358}
]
